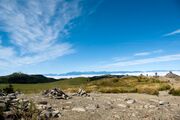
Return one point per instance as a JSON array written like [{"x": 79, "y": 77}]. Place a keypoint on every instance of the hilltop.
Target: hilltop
[{"x": 24, "y": 78}]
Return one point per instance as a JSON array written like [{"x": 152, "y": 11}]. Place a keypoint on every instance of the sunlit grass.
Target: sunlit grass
[{"x": 128, "y": 84}]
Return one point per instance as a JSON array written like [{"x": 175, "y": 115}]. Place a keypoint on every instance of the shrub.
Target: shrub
[
  {"x": 91, "y": 88},
  {"x": 175, "y": 91},
  {"x": 72, "y": 90},
  {"x": 9, "y": 89},
  {"x": 164, "y": 86},
  {"x": 117, "y": 90},
  {"x": 148, "y": 90}
]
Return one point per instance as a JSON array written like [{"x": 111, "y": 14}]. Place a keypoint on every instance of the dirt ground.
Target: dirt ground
[{"x": 128, "y": 106}]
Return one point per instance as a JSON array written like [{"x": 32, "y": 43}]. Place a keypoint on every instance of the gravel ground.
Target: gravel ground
[{"x": 128, "y": 106}]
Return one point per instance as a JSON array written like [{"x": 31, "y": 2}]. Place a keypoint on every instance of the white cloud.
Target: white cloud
[
  {"x": 142, "y": 54},
  {"x": 148, "y": 53},
  {"x": 173, "y": 33},
  {"x": 36, "y": 29},
  {"x": 143, "y": 61}
]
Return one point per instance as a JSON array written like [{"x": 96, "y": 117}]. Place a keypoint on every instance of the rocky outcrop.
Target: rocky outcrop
[
  {"x": 171, "y": 75},
  {"x": 56, "y": 94},
  {"x": 81, "y": 92}
]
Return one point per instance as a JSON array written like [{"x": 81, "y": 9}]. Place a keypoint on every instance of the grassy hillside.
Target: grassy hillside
[
  {"x": 113, "y": 84},
  {"x": 128, "y": 84}
]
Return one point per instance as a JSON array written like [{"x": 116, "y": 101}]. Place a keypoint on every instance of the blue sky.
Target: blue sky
[{"x": 45, "y": 36}]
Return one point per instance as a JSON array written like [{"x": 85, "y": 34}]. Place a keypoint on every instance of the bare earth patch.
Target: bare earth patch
[{"x": 127, "y": 106}]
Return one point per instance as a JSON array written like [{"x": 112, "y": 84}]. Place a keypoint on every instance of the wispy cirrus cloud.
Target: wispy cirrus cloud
[
  {"x": 148, "y": 53},
  {"x": 165, "y": 58},
  {"x": 173, "y": 33},
  {"x": 36, "y": 29}
]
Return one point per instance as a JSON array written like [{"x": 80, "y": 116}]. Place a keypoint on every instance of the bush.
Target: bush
[
  {"x": 164, "y": 87},
  {"x": 175, "y": 91},
  {"x": 148, "y": 90},
  {"x": 117, "y": 90},
  {"x": 9, "y": 89}
]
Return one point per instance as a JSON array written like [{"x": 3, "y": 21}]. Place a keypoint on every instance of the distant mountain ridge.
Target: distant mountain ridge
[{"x": 105, "y": 72}]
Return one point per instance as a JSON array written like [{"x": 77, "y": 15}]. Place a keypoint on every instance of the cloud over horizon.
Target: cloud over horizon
[
  {"x": 165, "y": 58},
  {"x": 35, "y": 30}
]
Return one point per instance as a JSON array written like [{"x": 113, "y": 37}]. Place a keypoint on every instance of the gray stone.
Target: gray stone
[
  {"x": 131, "y": 101},
  {"x": 8, "y": 115},
  {"x": 92, "y": 107},
  {"x": 81, "y": 92},
  {"x": 122, "y": 105},
  {"x": 2, "y": 101},
  {"x": 154, "y": 100},
  {"x": 78, "y": 109},
  {"x": 46, "y": 113},
  {"x": 56, "y": 114},
  {"x": 43, "y": 102},
  {"x": 152, "y": 106},
  {"x": 163, "y": 103},
  {"x": 2, "y": 106}
]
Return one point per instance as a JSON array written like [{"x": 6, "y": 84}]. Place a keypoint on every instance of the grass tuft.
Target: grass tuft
[{"x": 175, "y": 91}]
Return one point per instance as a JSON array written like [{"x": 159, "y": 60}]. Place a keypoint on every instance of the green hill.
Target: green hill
[{"x": 24, "y": 78}]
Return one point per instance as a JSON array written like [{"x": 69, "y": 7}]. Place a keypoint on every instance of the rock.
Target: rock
[
  {"x": 2, "y": 101},
  {"x": 56, "y": 114},
  {"x": 109, "y": 102},
  {"x": 2, "y": 106},
  {"x": 116, "y": 116},
  {"x": 68, "y": 102},
  {"x": 163, "y": 103},
  {"x": 131, "y": 101},
  {"x": 91, "y": 98},
  {"x": 78, "y": 109},
  {"x": 43, "y": 102},
  {"x": 154, "y": 100},
  {"x": 122, "y": 105},
  {"x": 81, "y": 92},
  {"x": 48, "y": 107},
  {"x": 2, "y": 94},
  {"x": 11, "y": 96},
  {"x": 152, "y": 106},
  {"x": 149, "y": 106},
  {"x": 15, "y": 100},
  {"x": 171, "y": 75},
  {"x": 46, "y": 114},
  {"x": 66, "y": 107},
  {"x": 8, "y": 115},
  {"x": 133, "y": 114},
  {"x": 40, "y": 107},
  {"x": 55, "y": 93},
  {"x": 92, "y": 107}
]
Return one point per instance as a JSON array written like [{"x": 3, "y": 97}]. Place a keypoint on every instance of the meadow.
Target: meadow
[{"x": 125, "y": 84}]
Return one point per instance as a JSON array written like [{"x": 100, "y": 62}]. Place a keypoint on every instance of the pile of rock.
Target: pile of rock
[
  {"x": 81, "y": 92},
  {"x": 55, "y": 93},
  {"x": 2, "y": 93},
  {"x": 12, "y": 108},
  {"x": 171, "y": 75},
  {"x": 46, "y": 110}
]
